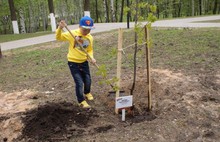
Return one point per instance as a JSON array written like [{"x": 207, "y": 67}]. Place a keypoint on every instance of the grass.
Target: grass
[
  {"x": 11, "y": 37},
  {"x": 24, "y": 64},
  {"x": 186, "y": 48},
  {"x": 172, "y": 48},
  {"x": 189, "y": 50},
  {"x": 210, "y": 21}
]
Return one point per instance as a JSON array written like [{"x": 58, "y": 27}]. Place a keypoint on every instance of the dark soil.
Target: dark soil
[
  {"x": 57, "y": 120},
  {"x": 63, "y": 121}
]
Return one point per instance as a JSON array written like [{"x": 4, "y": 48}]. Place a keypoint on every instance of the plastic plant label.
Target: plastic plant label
[{"x": 122, "y": 102}]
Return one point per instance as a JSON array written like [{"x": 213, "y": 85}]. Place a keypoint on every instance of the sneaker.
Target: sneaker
[
  {"x": 84, "y": 104},
  {"x": 89, "y": 97}
]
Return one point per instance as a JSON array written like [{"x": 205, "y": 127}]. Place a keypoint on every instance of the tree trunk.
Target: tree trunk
[
  {"x": 105, "y": 6},
  {"x": 158, "y": 9},
  {"x": 193, "y": 8},
  {"x": 80, "y": 11},
  {"x": 37, "y": 17},
  {"x": 122, "y": 11},
  {"x": 135, "y": 50},
  {"x": 200, "y": 7},
  {"x": 86, "y": 8},
  {"x": 112, "y": 11},
  {"x": 22, "y": 19},
  {"x": 219, "y": 8},
  {"x": 128, "y": 15},
  {"x": 31, "y": 17},
  {"x": 67, "y": 11},
  {"x": 50, "y": 5},
  {"x": 215, "y": 7},
  {"x": 166, "y": 10},
  {"x": 107, "y": 10},
  {"x": 52, "y": 15},
  {"x": 13, "y": 17},
  {"x": 96, "y": 11},
  {"x": 174, "y": 9},
  {"x": 179, "y": 9},
  {"x": 43, "y": 14}
]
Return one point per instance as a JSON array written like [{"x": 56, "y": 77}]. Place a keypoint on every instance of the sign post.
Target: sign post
[{"x": 122, "y": 103}]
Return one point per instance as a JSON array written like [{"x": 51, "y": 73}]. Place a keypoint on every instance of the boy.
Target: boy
[{"x": 77, "y": 59}]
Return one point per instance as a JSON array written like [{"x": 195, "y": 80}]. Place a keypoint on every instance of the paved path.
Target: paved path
[{"x": 101, "y": 27}]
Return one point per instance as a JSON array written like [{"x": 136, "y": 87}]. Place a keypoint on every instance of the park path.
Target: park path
[{"x": 101, "y": 27}]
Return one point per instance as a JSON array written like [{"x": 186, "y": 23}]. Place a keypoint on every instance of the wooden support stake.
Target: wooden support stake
[
  {"x": 147, "y": 37},
  {"x": 119, "y": 56}
]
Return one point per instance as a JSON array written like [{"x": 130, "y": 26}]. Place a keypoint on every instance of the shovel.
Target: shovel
[{"x": 97, "y": 66}]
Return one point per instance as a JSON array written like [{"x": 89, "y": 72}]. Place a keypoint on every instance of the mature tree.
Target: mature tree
[
  {"x": 86, "y": 8},
  {"x": 193, "y": 8},
  {"x": 200, "y": 7},
  {"x": 20, "y": 12},
  {"x": 52, "y": 15},
  {"x": 128, "y": 15},
  {"x": 32, "y": 15},
  {"x": 4, "y": 17},
  {"x": 112, "y": 11},
  {"x": 96, "y": 11},
  {"x": 22, "y": 20},
  {"x": 13, "y": 17},
  {"x": 215, "y": 6},
  {"x": 179, "y": 8},
  {"x": 105, "y": 7},
  {"x": 44, "y": 14},
  {"x": 122, "y": 10},
  {"x": 116, "y": 10}
]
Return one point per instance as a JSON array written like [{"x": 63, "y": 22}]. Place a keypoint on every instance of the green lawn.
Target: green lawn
[
  {"x": 210, "y": 21},
  {"x": 11, "y": 37},
  {"x": 190, "y": 50}
]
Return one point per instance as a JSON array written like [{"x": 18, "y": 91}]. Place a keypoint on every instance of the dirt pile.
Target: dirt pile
[{"x": 56, "y": 121}]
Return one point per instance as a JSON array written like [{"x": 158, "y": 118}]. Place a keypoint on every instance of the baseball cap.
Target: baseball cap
[{"x": 86, "y": 22}]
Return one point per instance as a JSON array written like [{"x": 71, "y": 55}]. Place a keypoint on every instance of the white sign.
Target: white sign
[{"x": 125, "y": 101}]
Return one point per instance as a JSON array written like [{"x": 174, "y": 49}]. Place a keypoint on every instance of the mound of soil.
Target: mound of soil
[{"x": 57, "y": 121}]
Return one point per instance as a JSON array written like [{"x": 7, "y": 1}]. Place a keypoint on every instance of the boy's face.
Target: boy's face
[{"x": 84, "y": 31}]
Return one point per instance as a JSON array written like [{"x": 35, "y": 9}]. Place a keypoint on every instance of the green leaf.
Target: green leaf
[{"x": 153, "y": 8}]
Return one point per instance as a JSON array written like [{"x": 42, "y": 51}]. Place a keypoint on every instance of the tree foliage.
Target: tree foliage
[
  {"x": 141, "y": 11},
  {"x": 35, "y": 13}
]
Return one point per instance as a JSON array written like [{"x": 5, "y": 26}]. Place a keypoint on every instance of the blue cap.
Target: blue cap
[{"x": 86, "y": 22}]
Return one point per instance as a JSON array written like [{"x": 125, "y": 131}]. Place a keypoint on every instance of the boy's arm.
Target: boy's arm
[
  {"x": 59, "y": 34},
  {"x": 90, "y": 51}
]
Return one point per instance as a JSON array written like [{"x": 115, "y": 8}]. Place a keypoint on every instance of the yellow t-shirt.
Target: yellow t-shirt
[{"x": 75, "y": 54}]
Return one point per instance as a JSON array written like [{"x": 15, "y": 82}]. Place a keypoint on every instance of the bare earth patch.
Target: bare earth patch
[
  {"x": 183, "y": 110},
  {"x": 12, "y": 105}
]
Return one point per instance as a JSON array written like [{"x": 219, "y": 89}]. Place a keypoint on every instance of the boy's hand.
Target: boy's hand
[
  {"x": 62, "y": 24},
  {"x": 93, "y": 61}
]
